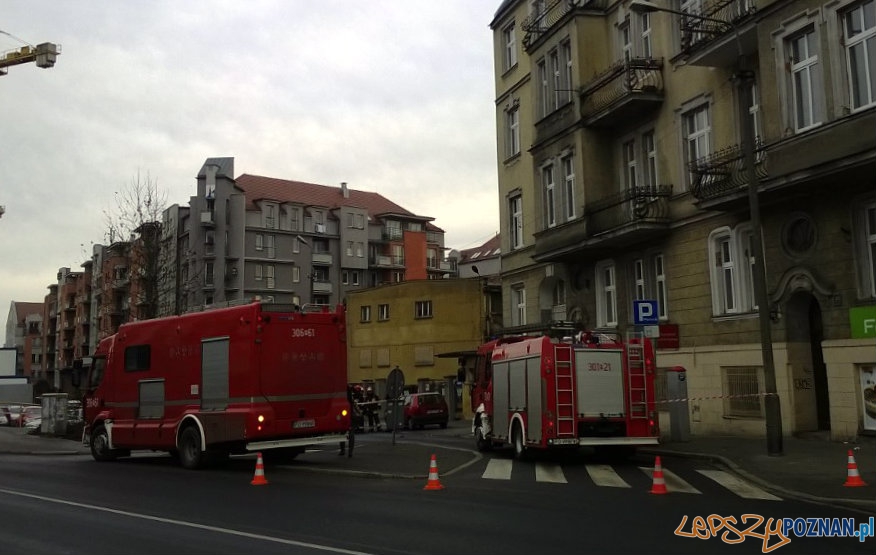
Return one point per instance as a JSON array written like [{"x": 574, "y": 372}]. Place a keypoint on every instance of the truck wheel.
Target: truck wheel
[
  {"x": 482, "y": 443},
  {"x": 519, "y": 446},
  {"x": 190, "y": 454},
  {"x": 100, "y": 445}
]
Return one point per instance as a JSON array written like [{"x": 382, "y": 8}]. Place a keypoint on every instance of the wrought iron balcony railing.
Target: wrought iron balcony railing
[
  {"x": 623, "y": 78},
  {"x": 724, "y": 172},
  {"x": 650, "y": 203},
  {"x": 722, "y": 17},
  {"x": 546, "y": 14}
]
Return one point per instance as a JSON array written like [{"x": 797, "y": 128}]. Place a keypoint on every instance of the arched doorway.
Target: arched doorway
[{"x": 808, "y": 372}]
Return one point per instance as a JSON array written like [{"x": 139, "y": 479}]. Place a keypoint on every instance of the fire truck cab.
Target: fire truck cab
[{"x": 538, "y": 392}]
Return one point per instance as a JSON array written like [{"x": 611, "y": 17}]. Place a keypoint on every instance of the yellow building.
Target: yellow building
[{"x": 421, "y": 326}]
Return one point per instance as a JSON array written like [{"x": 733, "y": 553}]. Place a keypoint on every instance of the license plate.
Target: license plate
[
  {"x": 304, "y": 424},
  {"x": 572, "y": 441},
  {"x": 433, "y": 411}
]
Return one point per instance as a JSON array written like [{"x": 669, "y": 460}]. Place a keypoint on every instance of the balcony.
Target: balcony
[
  {"x": 634, "y": 215},
  {"x": 626, "y": 91},
  {"x": 392, "y": 234},
  {"x": 322, "y": 258},
  {"x": 718, "y": 43},
  {"x": 208, "y": 218},
  {"x": 540, "y": 22},
  {"x": 322, "y": 287},
  {"x": 721, "y": 179},
  {"x": 555, "y": 123}
]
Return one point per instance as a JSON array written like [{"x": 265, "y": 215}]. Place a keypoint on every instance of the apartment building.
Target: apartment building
[
  {"x": 624, "y": 175},
  {"x": 24, "y": 326},
  {"x": 290, "y": 242}
]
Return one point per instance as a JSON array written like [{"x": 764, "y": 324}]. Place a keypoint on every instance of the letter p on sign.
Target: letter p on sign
[{"x": 645, "y": 313}]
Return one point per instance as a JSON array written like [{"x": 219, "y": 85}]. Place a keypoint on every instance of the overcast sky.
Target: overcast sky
[{"x": 394, "y": 97}]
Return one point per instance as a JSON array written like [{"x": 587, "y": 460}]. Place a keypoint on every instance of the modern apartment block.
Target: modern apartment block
[
  {"x": 290, "y": 242},
  {"x": 24, "y": 325},
  {"x": 624, "y": 175}
]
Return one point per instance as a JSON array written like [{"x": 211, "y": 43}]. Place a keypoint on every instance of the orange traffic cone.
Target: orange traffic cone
[
  {"x": 259, "y": 478},
  {"x": 434, "y": 482},
  {"x": 853, "y": 479},
  {"x": 659, "y": 485}
]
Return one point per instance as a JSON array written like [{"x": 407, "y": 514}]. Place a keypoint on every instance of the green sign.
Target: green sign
[{"x": 863, "y": 320}]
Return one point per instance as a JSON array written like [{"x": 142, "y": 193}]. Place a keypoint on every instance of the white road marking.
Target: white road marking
[
  {"x": 674, "y": 483},
  {"x": 549, "y": 473},
  {"x": 604, "y": 475},
  {"x": 186, "y": 524},
  {"x": 738, "y": 486},
  {"x": 498, "y": 469}
]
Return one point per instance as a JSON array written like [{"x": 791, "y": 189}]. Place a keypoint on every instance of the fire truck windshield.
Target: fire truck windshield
[{"x": 95, "y": 375}]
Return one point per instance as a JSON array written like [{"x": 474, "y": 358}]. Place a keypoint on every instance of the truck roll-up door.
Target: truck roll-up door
[
  {"x": 600, "y": 382},
  {"x": 214, "y": 373}
]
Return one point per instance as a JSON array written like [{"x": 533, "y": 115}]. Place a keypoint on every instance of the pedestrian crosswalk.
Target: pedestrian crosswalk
[{"x": 604, "y": 475}]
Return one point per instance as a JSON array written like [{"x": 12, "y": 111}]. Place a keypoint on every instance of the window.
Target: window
[
  {"x": 293, "y": 220},
  {"x": 208, "y": 273},
  {"x": 649, "y": 150},
  {"x": 423, "y": 309},
  {"x": 259, "y": 272},
  {"x": 754, "y": 111},
  {"x": 383, "y": 312},
  {"x": 629, "y": 158},
  {"x": 865, "y": 247},
  {"x": 269, "y": 246},
  {"x": 859, "y": 28},
  {"x": 626, "y": 40},
  {"x": 732, "y": 270},
  {"x": 269, "y": 276},
  {"x": 606, "y": 294},
  {"x": 645, "y": 27},
  {"x": 569, "y": 181},
  {"x": 518, "y": 312},
  {"x": 345, "y": 277},
  {"x": 742, "y": 392},
  {"x": 807, "y": 88},
  {"x": 137, "y": 358},
  {"x": 360, "y": 249},
  {"x": 557, "y": 81},
  {"x": 515, "y": 205},
  {"x": 547, "y": 181},
  {"x": 639, "y": 277},
  {"x": 567, "y": 80},
  {"x": 270, "y": 217},
  {"x": 259, "y": 242},
  {"x": 660, "y": 286},
  {"x": 296, "y": 274},
  {"x": 365, "y": 314},
  {"x": 544, "y": 97},
  {"x": 509, "y": 39},
  {"x": 296, "y": 244},
  {"x": 697, "y": 135},
  {"x": 349, "y": 248},
  {"x": 355, "y": 277},
  {"x": 512, "y": 125}
]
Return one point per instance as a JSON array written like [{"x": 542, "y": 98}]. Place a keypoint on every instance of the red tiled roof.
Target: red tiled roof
[
  {"x": 311, "y": 194},
  {"x": 487, "y": 250},
  {"x": 23, "y": 310}
]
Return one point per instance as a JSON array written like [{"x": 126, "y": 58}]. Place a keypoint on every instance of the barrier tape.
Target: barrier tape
[{"x": 716, "y": 397}]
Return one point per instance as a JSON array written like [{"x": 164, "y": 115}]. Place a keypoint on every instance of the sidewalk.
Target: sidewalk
[{"x": 811, "y": 469}]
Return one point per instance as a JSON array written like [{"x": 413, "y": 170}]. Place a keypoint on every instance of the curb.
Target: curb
[{"x": 866, "y": 507}]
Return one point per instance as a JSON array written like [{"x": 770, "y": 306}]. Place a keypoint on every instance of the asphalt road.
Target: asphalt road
[{"x": 148, "y": 504}]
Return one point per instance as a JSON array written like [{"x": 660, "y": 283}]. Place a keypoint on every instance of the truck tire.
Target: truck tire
[
  {"x": 519, "y": 445},
  {"x": 190, "y": 454},
  {"x": 481, "y": 442},
  {"x": 100, "y": 445}
]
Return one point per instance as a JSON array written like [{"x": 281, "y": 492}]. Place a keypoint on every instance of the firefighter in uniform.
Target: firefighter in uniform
[{"x": 371, "y": 410}]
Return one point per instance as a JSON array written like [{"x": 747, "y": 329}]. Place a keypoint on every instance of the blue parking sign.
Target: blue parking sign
[{"x": 645, "y": 313}]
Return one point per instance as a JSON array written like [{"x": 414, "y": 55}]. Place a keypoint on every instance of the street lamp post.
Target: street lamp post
[{"x": 744, "y": 80}]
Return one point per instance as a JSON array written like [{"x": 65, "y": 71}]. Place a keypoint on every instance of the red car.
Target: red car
[{"x": 422, "y": 409}]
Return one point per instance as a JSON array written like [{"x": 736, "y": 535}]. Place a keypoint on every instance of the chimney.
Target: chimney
[{"x": 344, "y": 191}]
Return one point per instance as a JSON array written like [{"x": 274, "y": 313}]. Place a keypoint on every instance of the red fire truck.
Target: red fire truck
[
  {"x": 545, "y": 393},
  {"x": 225, "y": 381}
]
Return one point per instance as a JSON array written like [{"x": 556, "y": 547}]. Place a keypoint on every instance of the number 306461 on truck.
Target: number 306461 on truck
[
  {"x": 539, "y": 393},
  {"x": 203, "y": 385}
]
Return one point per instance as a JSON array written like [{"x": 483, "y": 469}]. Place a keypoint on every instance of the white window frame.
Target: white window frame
[
  {"x": 568, "y": 165},
  {"x": 354, "y": 275},
  {"x": 544, "y": 95},
  {"x": 628, "y": 155},
  {"x": 566, "y": 48},
  {"x": 509, "y": 40},
  {"x": 518, "y": 309},
  {"x": 861, "y": 39},
  {"x": 349, "y": 251},
  {"x": 296, "y": 274},
  {"x": 864, "y": 230},
  {"x": 696, "y": 135},
  {"x": 649, "y": 152},
  {"x": 556, "y": 82},
  {"x": 606, "y": 294},
  {"x": 731, "y": 270},
  {"x": 258, "y": 272},
  {"x": 382, "y": 312},
  {"x": 512, "y": 122},
  {"x": 422, "y": 309},
  {"x": 515, "y": 207},
  {"x": 645, "y": 35},
  {"x": 345, "y": 277},
  {"x": 640, "y": 290},
  {"x": 550, "y": 195},
  {"x": 659, "y": 262},
  {"x": 259, "y": 242},
  {"x": 270, "y": 248},
  {"x": 625, "y": 40},
  {"x": 807, "y": 109},
  {"x": 269, "y": 276},
  {"x": 365, "y": 313}
]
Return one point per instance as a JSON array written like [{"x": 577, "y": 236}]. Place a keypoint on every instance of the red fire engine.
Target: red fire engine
[
  {"x": 225, "y": 381},
  {"x": 544, "y": 393}
]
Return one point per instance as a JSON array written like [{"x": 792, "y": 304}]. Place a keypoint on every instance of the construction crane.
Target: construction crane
[{"x": 44, "y": 55}]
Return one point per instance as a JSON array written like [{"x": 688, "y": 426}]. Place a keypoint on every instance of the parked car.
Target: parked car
[
  {"x": 13, "y": 415},
  {"x": 422, "y": 409},
  {"x": 32, "y": 417}
]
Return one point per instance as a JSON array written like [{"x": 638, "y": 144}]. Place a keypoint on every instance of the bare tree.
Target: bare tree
[{"x": 136, "y": 219}]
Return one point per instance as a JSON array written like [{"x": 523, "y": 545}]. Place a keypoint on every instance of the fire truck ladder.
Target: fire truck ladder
[
  {"x": 565, "y": 386},
  {"x": 637, "y": 380}
]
